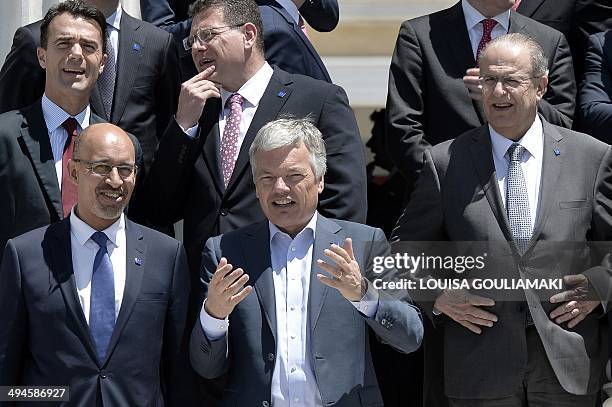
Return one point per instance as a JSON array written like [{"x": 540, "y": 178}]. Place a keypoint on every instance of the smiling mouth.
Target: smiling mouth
[
  {"x": 502, "y": 106},
  {"x": 283, "y": 203},
  {"x": 206, "y": 61},
  {"x": 112, "y": 195},
  {"x": 74, "y": 71}
]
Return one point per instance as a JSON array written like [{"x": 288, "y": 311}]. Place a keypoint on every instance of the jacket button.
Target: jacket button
[
  {"x": 265, "y": 403},
  {"x": 223, "y": 212},
  {"x": 270, "y": 357},
  {"x": 103, "y": 374}
]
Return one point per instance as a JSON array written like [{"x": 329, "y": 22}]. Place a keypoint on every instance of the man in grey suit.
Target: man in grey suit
[
  {"x": 303, "y": 335},
  {"x": 526, "y": 187}
]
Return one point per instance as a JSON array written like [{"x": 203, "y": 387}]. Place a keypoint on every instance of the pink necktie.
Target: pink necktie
[
  {"x": 229, "y": 143},
  {"x": 516, "y": 4},
  {"x": 69, "y": 190},
  {"x": 487, "y": 27}
]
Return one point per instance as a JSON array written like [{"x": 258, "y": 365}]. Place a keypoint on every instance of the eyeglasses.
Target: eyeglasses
[
  {"x": 507, "y": 82},
  {"x": 104, "y": 169},
  {"x": 204, "y": 35}
]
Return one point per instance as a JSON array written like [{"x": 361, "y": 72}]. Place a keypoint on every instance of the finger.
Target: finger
[
  {"x": 567, "y": 316},
  {"x": 576, "y": 320},
  {"x": 574, "y": 279},
  {"x": 478, "y": 321},
  {"x": 565, "y": 296},
  {"x": 473, "y": 72},
  {"x": 481, "y": 314},
  {"x": 333, "y": 270},
  {"x": 237, "y": 285},
  {"x": 471, "y": 327},
  {"x": 238, "y": 297},
  {"x": 330, "y": 282},
  {"x": 201, "y": 75},
  {"x": 557, "y": 312},
  {"x": 340, "y": 251},
  {"x": 221, "y": 272},
  {"x": 333, "y": 255},
  {"x": 231, "y": 278},
  {"x": 348, "y": 247},
  {"x": 477, "y": 300}
]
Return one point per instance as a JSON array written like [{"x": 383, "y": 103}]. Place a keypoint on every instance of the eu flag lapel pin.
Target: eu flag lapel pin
[
  {"x": 137, "y": 261},
  {"x": 136, "y": 46},
  {"x": 557, "y": 152},
  {"x": 281, "y": 94}
]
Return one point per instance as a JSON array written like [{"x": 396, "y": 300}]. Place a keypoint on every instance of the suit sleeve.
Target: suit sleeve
[
  {"x": 344, "y": 195},
  {"x": 321, "y": 15},
  {"x": 22, "y": 80},
  {"x": 397, "y": 322},
  {"x": 594, "y": 97},
  {"x": 558, "y": 104},
  {"x": 405, "y": 122},
  {"x": 13, "y": 319},
  {"x": 179, "y": 384},
  {"x": 162, "y": 13},
  {"x": 168, "y": 86}
]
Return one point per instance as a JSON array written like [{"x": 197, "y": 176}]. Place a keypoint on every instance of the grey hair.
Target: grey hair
[
  {"x": 291, "y": 132},
  {"x": 539, "y": 62}
]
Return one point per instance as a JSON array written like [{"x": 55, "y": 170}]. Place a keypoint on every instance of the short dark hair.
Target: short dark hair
[
  {"x": 76, "y": 8},
  {"x": 234, "y": 12}
]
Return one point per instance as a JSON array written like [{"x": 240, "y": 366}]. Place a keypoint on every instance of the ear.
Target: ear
[
  {"x": 41, "y": 54},
  {"x": 72, "y": 172},
  {"x": 320, "y": 186},
  {"x": 102, "y": 63},
  {"x": 250, "y": 35},
  {"x": 541, "y": 87}
]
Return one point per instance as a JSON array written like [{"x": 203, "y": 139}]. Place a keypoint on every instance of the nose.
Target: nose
[
  {"x": 280, "y": 185},
  {"x": 76, "y": 51},
  {"x": 113, "y": 179}
]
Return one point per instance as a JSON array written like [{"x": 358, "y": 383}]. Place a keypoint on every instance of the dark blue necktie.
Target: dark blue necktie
[{"x": 102, "y": 305}]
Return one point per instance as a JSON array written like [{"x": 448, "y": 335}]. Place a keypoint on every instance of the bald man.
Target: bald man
[{"x": 108, "y": 296}]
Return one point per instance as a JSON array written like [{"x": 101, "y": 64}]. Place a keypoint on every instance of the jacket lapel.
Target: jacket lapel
[
  {"x": 35, "y": 136},
  {"x": 516, "y": 26},
  {"x": 59, "y": 252},
  {"x": 528, "y": 7},
  {"x": 134, "y": 269},
  {"x": 327, "y": 233},
  {"x": 274, "y": 98},
  {"x": 257, "y": 256},
  {"x": 131, "y": 47},
  {"x": 212, "y": 142}
]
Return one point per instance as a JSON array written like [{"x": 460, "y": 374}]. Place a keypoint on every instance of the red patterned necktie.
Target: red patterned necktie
[
  {"x": 516, "y": 4},
  {"x": 231, "y": 132},
  {"x": 69, "y": 190},
  {"x": 487, "y": 27}
]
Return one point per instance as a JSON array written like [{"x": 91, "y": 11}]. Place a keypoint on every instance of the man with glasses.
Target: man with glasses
[
  {"x": 539, "y": 195},
  {"x": 96, "y": 302}
]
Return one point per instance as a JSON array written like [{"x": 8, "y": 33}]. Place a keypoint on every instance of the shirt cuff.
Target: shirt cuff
[
  {"x": 213, "y": 328},
  {"x": 191, "y": 132},
  {"x": 369, "y": 303}
]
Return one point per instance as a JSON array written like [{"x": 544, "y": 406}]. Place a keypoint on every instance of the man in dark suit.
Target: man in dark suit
[
  {"x": 538, "y": 195},
  {"x": 595, "y": 95},
  {"x": 96, "y": 302},
  {"x": 201, "y": 169},
  {"x": 303, "y": 336},
  {"x": 433, "y": 82},
  {"x": 576, "y": 19},
  {"x": 36, "y": 140},
  {"x": 285, "y": 42},
  {"x": 139, "y": 90}
]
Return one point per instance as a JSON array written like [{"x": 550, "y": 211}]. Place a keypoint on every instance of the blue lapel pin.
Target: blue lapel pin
[
  {"x": 557, "y": 152},
  {"x": 136, "y": 46},
  {"x": 137, "y": 261},
  {"x": 281, "y": 94}
]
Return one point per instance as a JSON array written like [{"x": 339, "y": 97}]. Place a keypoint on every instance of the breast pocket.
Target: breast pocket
[
  {"x": 153, "y": 297},
  {"x": 576, "y": 204}
]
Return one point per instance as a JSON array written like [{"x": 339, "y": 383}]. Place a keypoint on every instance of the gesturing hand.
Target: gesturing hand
[
  {"x": 345, "y": 273},
  {"x": 575, "y": 301},
  {"x": 470, "y": 80},
  {"x": 226, "y": 290},
  {"x": 193, "y": 96},
  {"x": 463, "y": 307}
]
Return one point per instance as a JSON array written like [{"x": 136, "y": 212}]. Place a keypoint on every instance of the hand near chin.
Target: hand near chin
[{"x": 193, "y": 96}]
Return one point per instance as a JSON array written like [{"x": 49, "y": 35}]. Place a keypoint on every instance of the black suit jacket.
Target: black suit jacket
[
  {"x": 45, "y": 340},
  {"x": 285, "y": 44},
  {"x": 186, "y": 182},
  {"x": 427, "y": 101},
  {"x": 576, "y": 19},
  {"x": 146, "y": 89}
]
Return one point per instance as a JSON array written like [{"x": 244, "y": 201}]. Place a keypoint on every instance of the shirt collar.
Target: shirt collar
[
  {"x": 253, "y": 89},
  {"x": 54, "y": 115},
  {"x": 473, "y": 17},
  {"x": 311, "y": 226},
  {"x": 114, "y": 19},
  {"x": 533, "y": 141},
  {"x": 82, "y": 231},
  {"x": 291, "y": 8}
]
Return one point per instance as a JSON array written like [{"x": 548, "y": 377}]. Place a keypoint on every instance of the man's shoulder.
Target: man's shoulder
[
  {"x": 535, "y": 28},
  {"x": 352, "y": 227},
  {"x": 423, "y": 23},
  {"x": 302, "y": 83},
  {"x": 156, "y": 37},
  {"x": 577, "y": 140},
  {"x": 152, "y": 236}
]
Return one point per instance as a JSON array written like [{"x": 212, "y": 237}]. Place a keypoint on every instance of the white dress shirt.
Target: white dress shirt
[
  {"x": 473, "y": 20},
  {"x": 54, "y": 117},
  {"x": 113, "y": 26},
  {"x": 84, "y": 252},
  {"x": 531, "y": 163},
  {"x": 293, "y": 381}
]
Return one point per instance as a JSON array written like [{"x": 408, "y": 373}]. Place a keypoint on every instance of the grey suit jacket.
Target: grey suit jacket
[
  {"x": 427, "y": 101},
  {"x": 338, "y": 332},
  {"x": 457, "y": 199}
]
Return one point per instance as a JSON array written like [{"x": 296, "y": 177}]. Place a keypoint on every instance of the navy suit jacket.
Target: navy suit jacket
[
  {"x": 285, "y": 44},
  {"x": 45, "y": 339},
  {"x": 339, "y": 339}
]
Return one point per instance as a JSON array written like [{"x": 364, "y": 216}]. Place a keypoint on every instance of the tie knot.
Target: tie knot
[
  {"x": 487, "y": 26},
  {"x": 71, "y": 126},
  {"x": 100, "y": 238},
  {"x": 516, "y": 151},
  {"x": 236, "y": 98}
]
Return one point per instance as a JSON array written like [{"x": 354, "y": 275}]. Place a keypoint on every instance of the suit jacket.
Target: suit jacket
[
  {"x": 342, "y": 363},
  {"x": 595, "y": 95},
  {"x": 285, "y": 44},
  {"x": 457, "y": 199},
  {"x": 427, "y": 101},
  {"x": 45, "y": 339},
  {"x": 576, "y": 19},
  {"x": 186, "y": 180},
  {"x": 146, "y": 87}
]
